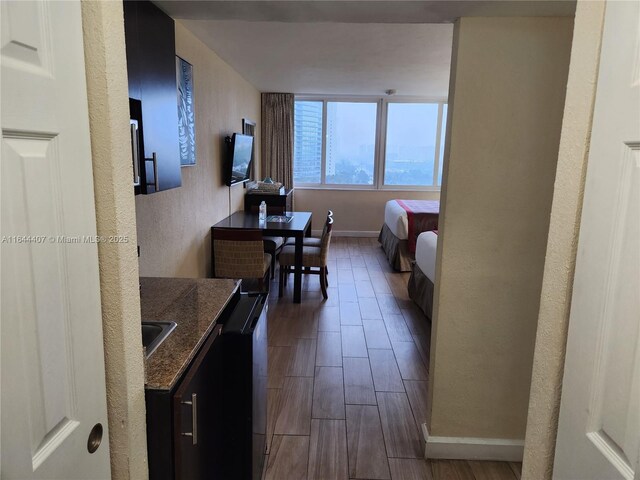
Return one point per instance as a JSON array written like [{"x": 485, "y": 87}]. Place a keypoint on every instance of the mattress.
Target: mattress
[
  {"x": 396, "y": 219},
  {"x": 426, "y": 246}
]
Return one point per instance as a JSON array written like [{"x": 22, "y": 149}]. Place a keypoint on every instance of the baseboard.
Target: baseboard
[
  {"x": 469, "y": 448},
  {"x": 349, "y": 233}
]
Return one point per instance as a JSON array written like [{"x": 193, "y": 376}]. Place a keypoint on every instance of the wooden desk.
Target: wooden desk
[{"x": 297, "y": 228}]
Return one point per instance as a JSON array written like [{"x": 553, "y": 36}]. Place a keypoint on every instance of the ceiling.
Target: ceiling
[
  {"x": 333, "y": 58},
  {"x": 342, "y": 47}
]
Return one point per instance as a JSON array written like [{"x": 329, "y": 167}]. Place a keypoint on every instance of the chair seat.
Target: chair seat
[
  {"x": 311, "y": 256},
  {"x": 271, "y": 244},
  {"x": 306, "y": 241}
]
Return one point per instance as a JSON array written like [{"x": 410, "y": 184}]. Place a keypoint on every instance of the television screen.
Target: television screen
[{"x": 241, "y": 148}]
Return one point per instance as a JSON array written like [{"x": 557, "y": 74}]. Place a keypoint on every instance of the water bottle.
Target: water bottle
[{"x": 263, "y": 212}]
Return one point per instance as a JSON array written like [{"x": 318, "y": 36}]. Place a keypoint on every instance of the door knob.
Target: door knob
[{"x": 95, "y": 438}]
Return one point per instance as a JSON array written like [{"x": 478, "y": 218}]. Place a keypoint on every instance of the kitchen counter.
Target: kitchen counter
[{"x": 194, "y": 304}]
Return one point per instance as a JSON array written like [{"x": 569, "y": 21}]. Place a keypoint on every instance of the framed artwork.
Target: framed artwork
[
  {"x": 186, "y": 114},
  {"x": 248, "y": 127}
]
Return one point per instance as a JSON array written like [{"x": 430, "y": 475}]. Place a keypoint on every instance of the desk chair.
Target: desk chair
[
  {"x": 240, "y": 254},
  {"x": 312, "y": 257},
  {"x": 313, "y": 241}
]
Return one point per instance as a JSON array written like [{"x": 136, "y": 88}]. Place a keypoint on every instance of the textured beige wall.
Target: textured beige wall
[
  {"x": 354, "y": 210},
  {"x": 557, "y": 284},
  {"x": 506, "y": 103},
  {"x": 115, "y": 215},
  {"x": 174, "y": 225}
]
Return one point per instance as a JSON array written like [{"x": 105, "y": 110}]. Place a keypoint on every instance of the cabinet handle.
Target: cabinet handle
[
  {"x": 194, "y": 418},
  {"x": 154, "y": 159},
  {"x": 136, "y": 154}
]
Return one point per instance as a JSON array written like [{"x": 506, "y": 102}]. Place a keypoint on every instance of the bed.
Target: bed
[
  {"x": 423, "y": 272},
  {"x": 404, "y": 220}
]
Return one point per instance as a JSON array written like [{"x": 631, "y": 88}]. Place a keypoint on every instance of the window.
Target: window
[
  {"x": 368, "y": 143},
  {"x": 351, "y": 143},
  {"x": 411, "y": 143}
]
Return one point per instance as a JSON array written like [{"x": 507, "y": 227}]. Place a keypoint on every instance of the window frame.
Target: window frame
[{"x": 382, "y": 111}]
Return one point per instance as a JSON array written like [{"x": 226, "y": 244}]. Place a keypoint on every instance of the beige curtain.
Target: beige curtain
[{"x": 277, "y": 137}]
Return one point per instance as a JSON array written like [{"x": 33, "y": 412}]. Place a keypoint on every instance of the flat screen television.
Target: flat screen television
[{"x": 241, "y": 147}]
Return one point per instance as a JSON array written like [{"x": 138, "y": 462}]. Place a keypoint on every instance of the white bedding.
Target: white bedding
[
  {"x": 396, "y": 219},
  {"x": 426, "y": 246}
]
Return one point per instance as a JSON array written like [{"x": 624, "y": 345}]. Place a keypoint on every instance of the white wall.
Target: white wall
[
  {"x": 505, "y": 110},
  {"x": 174, "y": 226},
  {"x": 557, "y": 285},
  {"x": 358, "y": 212},
  {"x": 176, "y": 221}
]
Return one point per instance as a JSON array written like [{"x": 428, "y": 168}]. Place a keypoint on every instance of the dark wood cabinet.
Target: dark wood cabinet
[
  {"x": 197, "y": 415},
  {"x": 151, "y": 67},
  {"x": 132, "y": 48},
  {"x": 276, "y": 204},
  {"x": 183, "y": 423},
  {"x": 211, "y": 422}
]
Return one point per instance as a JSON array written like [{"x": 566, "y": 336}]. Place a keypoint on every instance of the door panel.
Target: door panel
[
  {"x": 616, "y": 409},
  {"x": 25, "y": 36},
  {"x": 599, "y": 426},
  {"x": 53, "y": 386},
  {"x": 33, "y": 162}
]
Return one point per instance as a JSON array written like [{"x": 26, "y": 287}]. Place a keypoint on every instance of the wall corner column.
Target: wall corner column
[
  {"x": 106, "y": 72},
  {"x": 562, "y": 244}
]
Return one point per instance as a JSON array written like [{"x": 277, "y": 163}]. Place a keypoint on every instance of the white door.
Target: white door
[
  {"x": 599, "y": 428},
  {"x": 52, "y": 374}
]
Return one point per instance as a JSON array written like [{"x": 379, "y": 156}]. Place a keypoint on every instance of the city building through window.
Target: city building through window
[{"x": 368, "y": 143}]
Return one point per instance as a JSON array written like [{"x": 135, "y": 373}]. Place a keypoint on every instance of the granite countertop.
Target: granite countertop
[{"x": 194, "y": 304}]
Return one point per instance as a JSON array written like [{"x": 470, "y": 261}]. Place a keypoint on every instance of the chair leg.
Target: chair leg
[
  {"x": 323, "y": 283},
  {"x": 281, "y": 281},
  {"x": 286, "y": 275},
  {"x": 273, "y": 265},
  {"x": 326, "y": 276}
]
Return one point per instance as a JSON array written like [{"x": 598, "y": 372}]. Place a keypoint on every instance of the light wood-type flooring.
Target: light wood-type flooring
[{"x": 347, "y": 384}]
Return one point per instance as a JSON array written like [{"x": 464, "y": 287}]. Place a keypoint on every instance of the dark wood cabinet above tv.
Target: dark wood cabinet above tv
[
  {"x": 151, "y": 68},
  {"x": 276, "y": 204}
]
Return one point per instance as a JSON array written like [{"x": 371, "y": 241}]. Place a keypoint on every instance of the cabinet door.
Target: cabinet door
[
  {"x": 153, "y": 68},
  {"x": 197, "y": 415},
  {"x": 132, "y": 48}
]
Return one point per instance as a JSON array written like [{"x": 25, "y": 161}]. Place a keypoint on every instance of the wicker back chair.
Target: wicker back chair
[
  {"x": 239, "y": 254},
  {"x": 312, "y": 257}
]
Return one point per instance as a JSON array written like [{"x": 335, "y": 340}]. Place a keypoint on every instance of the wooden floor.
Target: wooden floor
[{"x": 348, "y": 378}]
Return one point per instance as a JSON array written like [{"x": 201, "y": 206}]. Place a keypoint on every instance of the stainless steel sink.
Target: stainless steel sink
[{"x": 154, "y": 333}]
